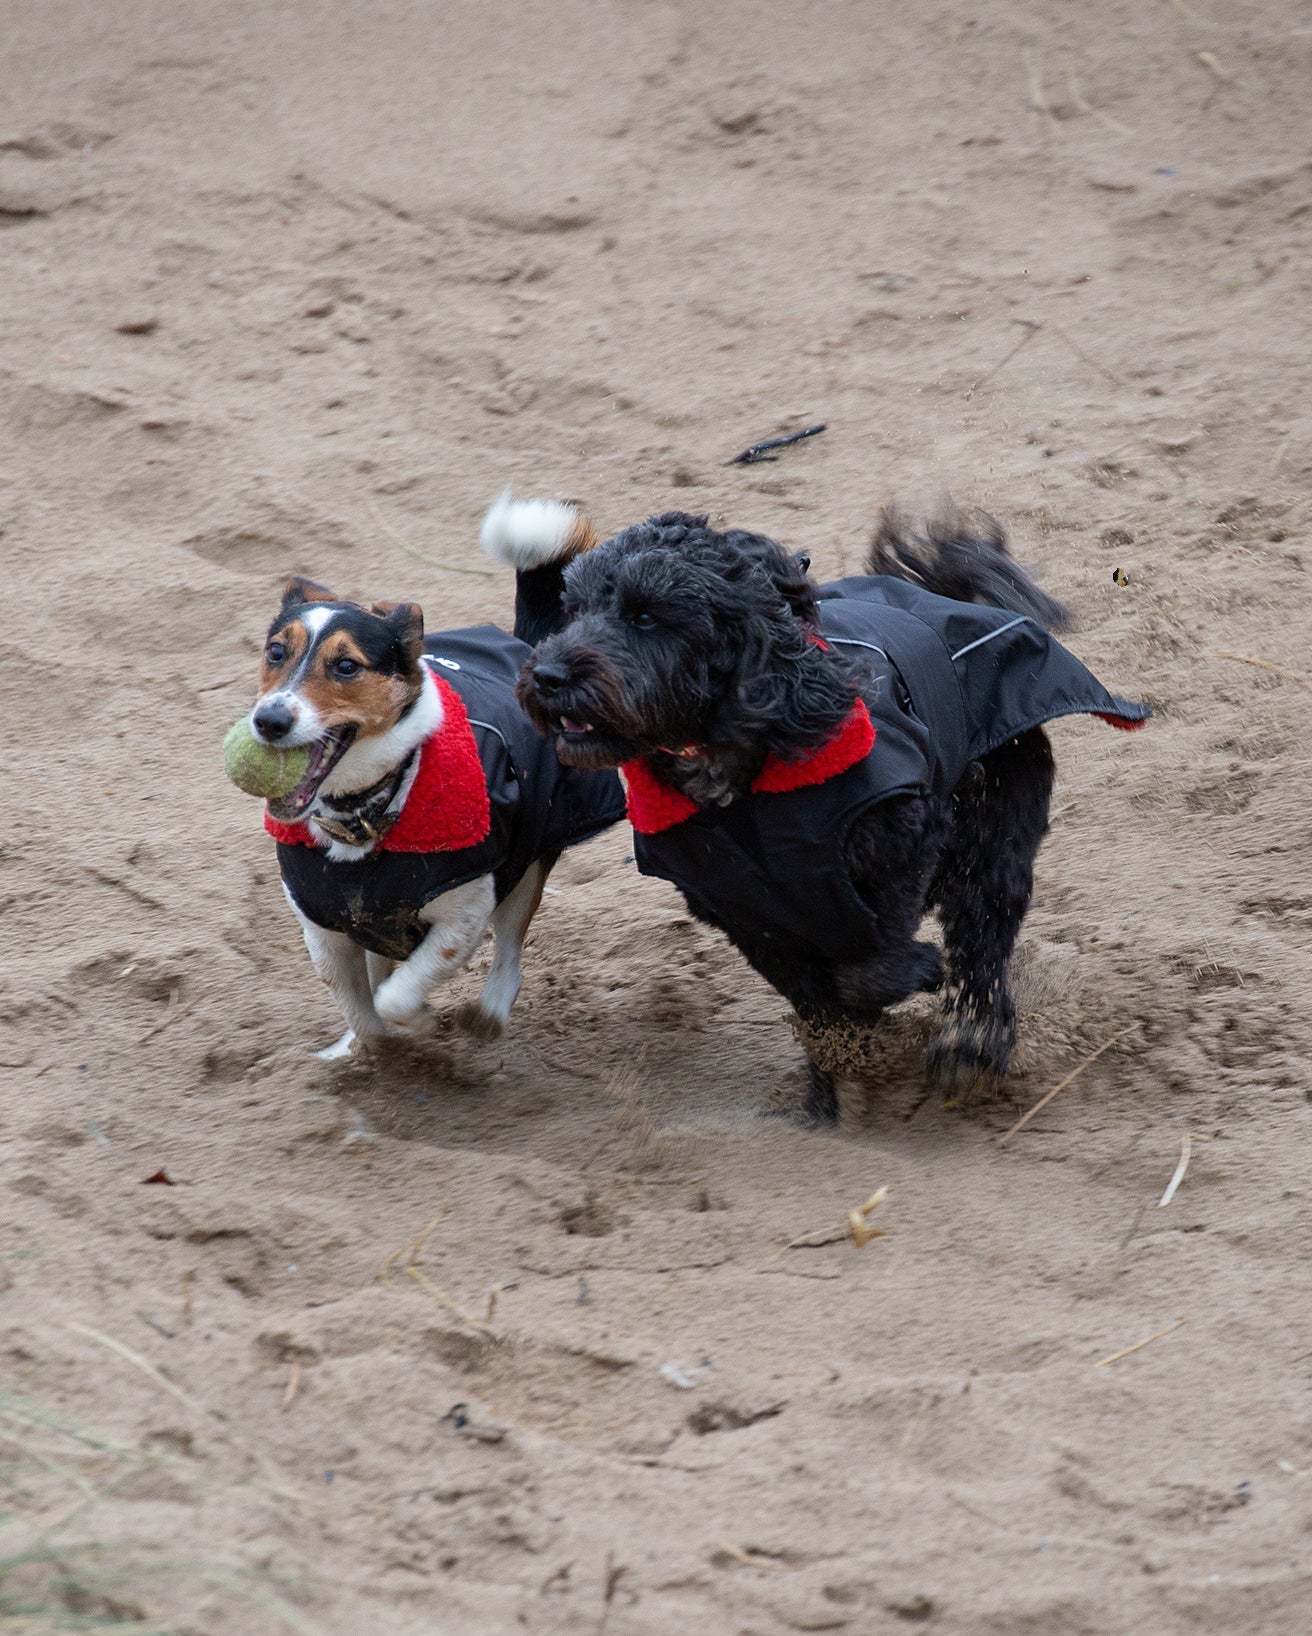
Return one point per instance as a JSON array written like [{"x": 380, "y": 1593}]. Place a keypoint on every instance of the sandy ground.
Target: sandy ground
[{"x": 303, "y": 286}]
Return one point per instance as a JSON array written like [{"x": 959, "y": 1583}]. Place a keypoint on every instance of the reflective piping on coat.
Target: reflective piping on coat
[
  {"x": 474, "y": 722},
  {"x": 980, "y": 640}
]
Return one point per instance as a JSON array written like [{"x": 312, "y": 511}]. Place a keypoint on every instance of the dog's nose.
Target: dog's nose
[
  {"x": 272, "y": 722},
  {"x": 550, "y": 675}
]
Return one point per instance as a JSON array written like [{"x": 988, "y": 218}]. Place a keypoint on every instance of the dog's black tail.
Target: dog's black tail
[
  {"x": 960, "y": 554},
  {"x": 538, "y": 539}
]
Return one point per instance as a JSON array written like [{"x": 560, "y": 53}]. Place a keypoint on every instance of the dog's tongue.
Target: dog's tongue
[
  {"x": 569, "y": 725},
  {"x": 325, "y": 753}
]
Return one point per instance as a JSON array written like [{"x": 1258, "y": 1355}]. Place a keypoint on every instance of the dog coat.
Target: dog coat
[
  {"x": 488, "y": 797},
  {"x": 956, "y": 680}
]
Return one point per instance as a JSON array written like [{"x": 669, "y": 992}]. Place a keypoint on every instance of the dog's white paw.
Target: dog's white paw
[
  {"x": 399, "y": 999},
  {"x": 338, "y": 1049}
]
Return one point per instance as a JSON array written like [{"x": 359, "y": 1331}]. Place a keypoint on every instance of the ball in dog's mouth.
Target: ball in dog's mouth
[{"x": 325, "y": 753}]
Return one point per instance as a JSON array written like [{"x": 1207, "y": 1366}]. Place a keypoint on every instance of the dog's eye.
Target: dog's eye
[
  {"x": 275, "y": 653},
  {"x": 346, "y": 667},
  {"x": 644, "y": 621}
]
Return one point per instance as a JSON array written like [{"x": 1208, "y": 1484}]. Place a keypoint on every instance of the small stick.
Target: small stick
[
  {"x": 443, "y": 1299},
  {"x": 749, "y": 1558},
  {"x": 1138, "y": 1345},
  {"x": 798, "y": 1272},
  {"x": 856, "y": 1228},
  {"x": 760, "y": 451},
  {"x": 1086, "y": 107},
  {"x": 615, "y": 1571},
  {"x": 1074, "y": 1074},
  {"x": 1212, "y": 64},
  {"x": 1083, "y": 356},
  {"x": 411, "y": 1251},
  {"x": 1186, "y": 1147},
  {"x": 818, "y": 1238},
  {"x": 293, "y": 1386},
  {"x": 1263, "y": 664},
  {"x": 400, "y": 539},
  {"x": 1032, "y": 328}
]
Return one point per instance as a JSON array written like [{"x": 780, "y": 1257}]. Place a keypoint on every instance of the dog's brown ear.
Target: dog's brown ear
[
  {"x": 407, "y": 620},
  {"x": 299, "y": 590}
]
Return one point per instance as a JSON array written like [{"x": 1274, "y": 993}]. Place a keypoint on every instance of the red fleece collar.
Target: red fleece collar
[
  {"x": 654, "y": 805},
  {"x": 447, "y": 808}
]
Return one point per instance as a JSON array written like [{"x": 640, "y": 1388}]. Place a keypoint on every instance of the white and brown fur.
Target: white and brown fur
[{"x": 348, "y": 682}]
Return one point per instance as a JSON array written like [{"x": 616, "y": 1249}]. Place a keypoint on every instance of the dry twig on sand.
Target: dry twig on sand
[
  {"x": 1074, "y": 1074},
  {"x": 1032, "y": 328},
  {"x": 760, "y": 451},
  {"x": 856, "y": 1227},
  {"x": 750, "y": 1556},
  {"x": 1264, "y": 664},
  {"x": 293, "y": 1385},
  {"x": 410, "y": 1250},
  {"x": 1139, "y": 1345}
]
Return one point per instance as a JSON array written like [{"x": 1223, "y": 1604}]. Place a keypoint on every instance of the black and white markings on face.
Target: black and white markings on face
[{"x": 336, "y": 664}]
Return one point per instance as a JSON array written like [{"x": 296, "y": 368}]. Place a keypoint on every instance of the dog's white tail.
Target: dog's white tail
[{"x": 527, "y": 534}]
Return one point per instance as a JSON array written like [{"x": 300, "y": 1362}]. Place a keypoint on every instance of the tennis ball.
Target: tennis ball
[{"x": 262, "y": 769}]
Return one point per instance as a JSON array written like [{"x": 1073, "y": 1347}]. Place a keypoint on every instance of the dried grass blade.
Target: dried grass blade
[
  {"x": 1265, "y": 664},
  {"x": 146, "y": 1367},
  {"x": 1139, "y": 1345},
  {"x": 1074, "y": 1074},
  {"x": 1186, "y": 1148},
  {"x": 398, "y": 538}
]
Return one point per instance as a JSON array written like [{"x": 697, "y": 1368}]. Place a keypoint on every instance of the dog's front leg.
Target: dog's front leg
[
  {"x": 458, "y": 922},
  {"x": 341, "y": 964}
]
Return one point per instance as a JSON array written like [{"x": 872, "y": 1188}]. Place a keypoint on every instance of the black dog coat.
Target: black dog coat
[
  {"x": 956, "y": 680},
  {"x": 489, "y": 797}
]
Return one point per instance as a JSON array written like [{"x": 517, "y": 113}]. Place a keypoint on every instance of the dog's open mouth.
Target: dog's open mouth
[
  {"x": 325, "y": 753},
  {"x": 588, "y": 745}
]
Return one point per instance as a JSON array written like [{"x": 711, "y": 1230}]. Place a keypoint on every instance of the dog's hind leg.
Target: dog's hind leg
[
  {"x": 458, "y": 922},
  {"x": 486, "y": 1017},
  {"x": 982, "y": 891}
]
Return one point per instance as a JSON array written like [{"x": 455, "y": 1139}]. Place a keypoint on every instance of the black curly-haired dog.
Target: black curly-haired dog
[{"x": 815, "y": 767}]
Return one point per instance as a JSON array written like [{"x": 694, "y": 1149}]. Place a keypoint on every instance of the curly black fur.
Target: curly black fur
[
  {"x": 697, "y": 649},
  {"x": 681, "y": 637},
  {"x": 961, "y": 554}
]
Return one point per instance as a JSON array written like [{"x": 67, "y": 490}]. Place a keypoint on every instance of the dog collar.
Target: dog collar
[
  {"x": 447, "y": 808},
  {"x": 362, "y": 817},
  {"x": 655, "y": 805}
]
